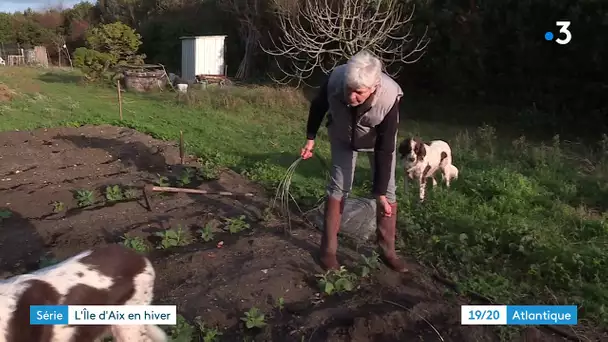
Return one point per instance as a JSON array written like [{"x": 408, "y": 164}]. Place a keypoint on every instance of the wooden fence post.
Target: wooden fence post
[{"x": 119, "y": 99}]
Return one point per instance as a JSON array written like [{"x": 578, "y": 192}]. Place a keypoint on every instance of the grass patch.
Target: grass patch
[{"x": 524, "y": 224}]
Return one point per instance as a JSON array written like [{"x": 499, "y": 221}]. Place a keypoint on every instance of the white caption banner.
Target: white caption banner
[{"x": 122, "y": 314}]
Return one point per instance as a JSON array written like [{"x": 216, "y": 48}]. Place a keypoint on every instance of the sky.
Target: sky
[{"x": 21, "y": 5}]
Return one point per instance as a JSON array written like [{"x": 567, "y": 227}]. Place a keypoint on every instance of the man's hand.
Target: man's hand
[
  {"x": 383, "y": 204},
  {"x": 306, "y": 151}
]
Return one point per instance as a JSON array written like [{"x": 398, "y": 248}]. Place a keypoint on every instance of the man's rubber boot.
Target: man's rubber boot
[
  {"x": 386, "y": 233},
  {"x": 329, "y": 239}
]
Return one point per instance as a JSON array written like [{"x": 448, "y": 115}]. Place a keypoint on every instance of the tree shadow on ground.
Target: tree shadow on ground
[
  {"x": 52, "y": 77},
  {"x": 135, "y": 153},
  {"x": 231, "y": 195},
  {"x": 23, "y": 249}
]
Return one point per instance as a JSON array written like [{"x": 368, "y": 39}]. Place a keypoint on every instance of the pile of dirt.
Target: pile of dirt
[
  {"x": 255, "y": 265},
  {"x": 6, "y": 94}
]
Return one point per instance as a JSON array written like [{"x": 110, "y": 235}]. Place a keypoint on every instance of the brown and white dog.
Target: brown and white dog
[
  {"x": 421, "y": 161},
  {"x": 109, "y": 275}
]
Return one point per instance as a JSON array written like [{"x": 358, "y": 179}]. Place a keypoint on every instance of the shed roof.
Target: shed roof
[{"x": 196, "y": 37}]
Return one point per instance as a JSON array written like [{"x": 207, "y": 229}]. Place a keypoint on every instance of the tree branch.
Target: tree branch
[{"x": 319, "y": 34}]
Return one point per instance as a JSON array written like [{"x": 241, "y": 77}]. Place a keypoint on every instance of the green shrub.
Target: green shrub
[
  {"x": 108, "y": 46},
  {"x": 118, "y": 40},
  {"x": 93, "y": 64}
]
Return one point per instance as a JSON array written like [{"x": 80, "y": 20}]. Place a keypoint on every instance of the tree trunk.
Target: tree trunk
[{"x": 251, "y": 41}]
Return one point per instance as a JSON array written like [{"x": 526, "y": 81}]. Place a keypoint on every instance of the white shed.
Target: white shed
[{"x": 202, "y": 55}]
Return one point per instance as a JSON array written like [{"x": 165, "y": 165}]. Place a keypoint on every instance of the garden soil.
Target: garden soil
[{"x": 214, "y": 281}]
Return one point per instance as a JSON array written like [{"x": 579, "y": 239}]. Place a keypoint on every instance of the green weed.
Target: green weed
[
  {"x": 58, "y": 206},
  {"x": 369, "y": 264},
  {"x": 208, "y": 334},
  {"x": 182, "y": 331},
  {"x": 337, "y": 281},
  {"x": 131, "y": 193},
  {"x": 237, "y": 224},
  {"x": 114, "y": 193},
  {"x": 136, "y": 243},
  {"x": 207, "y": 232},
  {"x": 173, "y": 238},
  {"x": 208, "y": 170},
  {"x": 280, "y": 304},
  {"x": 185, "y": 177},
  {"x": 254, "y": 318},
  {"x": 163, "y": 181},
  {"x": 84, "y": 198}
]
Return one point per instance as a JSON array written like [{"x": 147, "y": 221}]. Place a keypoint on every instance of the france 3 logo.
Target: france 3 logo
[{"x": 564, "y": 35}]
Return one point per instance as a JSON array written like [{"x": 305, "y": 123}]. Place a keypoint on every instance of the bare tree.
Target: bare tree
[
  {"x": 318, "y": 35},
  {"x": 62, "y": 49},
  {"x": 248, "y": 13}
]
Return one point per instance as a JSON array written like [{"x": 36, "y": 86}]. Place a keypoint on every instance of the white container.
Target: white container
[
  {"x": 182, "y": 88},
  {"x": 202, "y": 55}
]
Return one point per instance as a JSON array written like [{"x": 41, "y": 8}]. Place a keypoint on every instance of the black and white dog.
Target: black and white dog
[
  {"x": 421, "y": 161},
  {"x": 107, "y": 275}
]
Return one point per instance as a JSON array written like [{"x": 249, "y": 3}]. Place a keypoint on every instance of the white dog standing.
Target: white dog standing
[{"x": 421, "y": 161}]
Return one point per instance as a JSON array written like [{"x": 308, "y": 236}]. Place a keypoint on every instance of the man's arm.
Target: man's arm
[
  {"x": 318, "y": 107},
  {"x": 383, "y": 151}
]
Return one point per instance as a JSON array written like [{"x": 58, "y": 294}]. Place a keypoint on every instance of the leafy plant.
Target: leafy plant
[
  {"x": 209, "y": 334},
  {"x": 206, "y": 232},
  {"x": 254, "y": 318},
  {"x": 280, "y": 303},
  {"x": 208, "y": 170},
  {"x": 57, "y": 206},
  {"x": 84, "y": 198},
  {"x": 182, "y": 331},
  {"x": 136, "y": 243},
  {"x": 114, "y": 193},
  {"x": 162, "y": 181},
  {"x": 337, "y": 281},
  {"x": 185, "y": 178},
  {"x": 172, "y": 238},
  {"x": 237, "y": 224},
  {"x": 94, "y": 64},
  {"x": 131, "y": 193},
  {"x": 369, "y": 263},
  {"x": 5, "y": 213}
]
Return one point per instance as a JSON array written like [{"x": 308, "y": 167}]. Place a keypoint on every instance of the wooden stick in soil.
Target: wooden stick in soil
[
  {"x": 119, "y": 99},
  {"x": 148, "y": 189},
  {"x": 181, "y": 147}
]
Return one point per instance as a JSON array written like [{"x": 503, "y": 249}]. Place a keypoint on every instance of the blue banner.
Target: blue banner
[
  {"x": 542, "y": 315},
  {"x": 48, "y": 314}
]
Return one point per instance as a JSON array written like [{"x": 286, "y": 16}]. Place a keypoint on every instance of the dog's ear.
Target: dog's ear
[
  {"x": 419, "y": 149},
  {"x": 405, "y": 147}
]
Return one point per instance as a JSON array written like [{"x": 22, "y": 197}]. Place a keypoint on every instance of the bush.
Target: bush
[
  {"x": 108, "y": 46},
  {"x": 93, "y": 64},
  {"x": 118, "y": 40}
]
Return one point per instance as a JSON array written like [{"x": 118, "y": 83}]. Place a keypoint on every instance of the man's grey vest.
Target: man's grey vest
[{"x": 341, "y": 119}]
